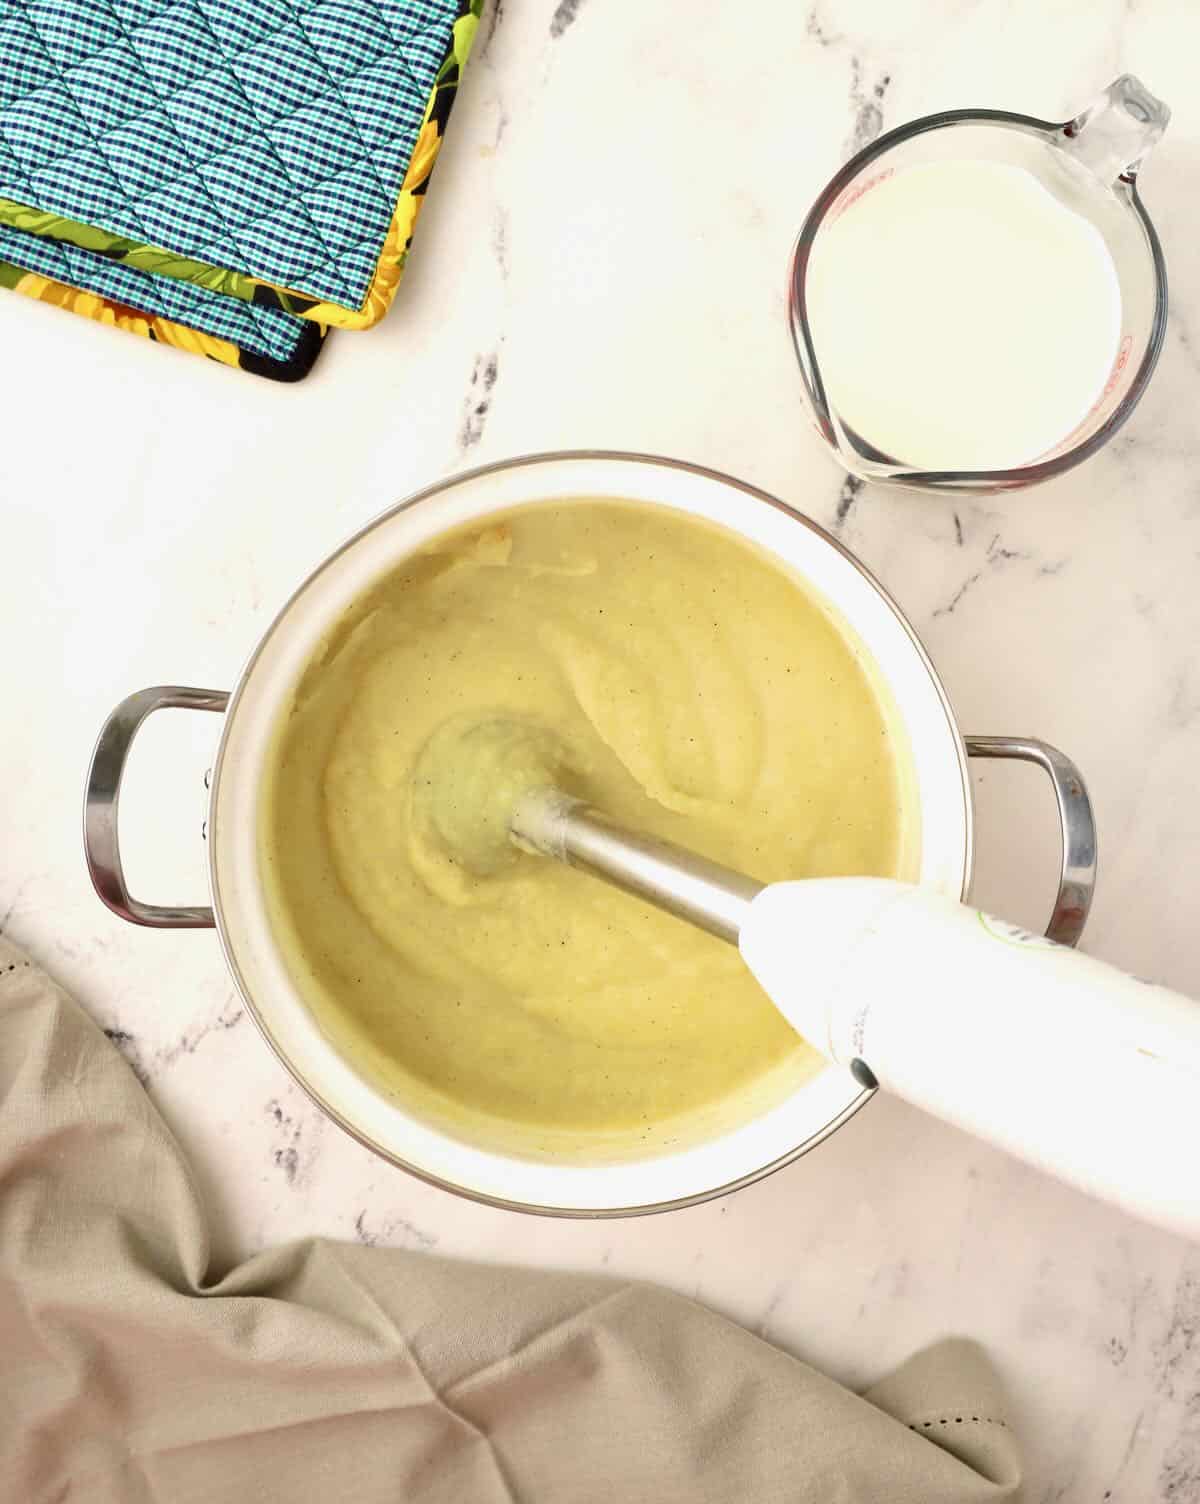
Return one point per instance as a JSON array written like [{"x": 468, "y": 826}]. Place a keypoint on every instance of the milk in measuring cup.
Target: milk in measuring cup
[{"x": 961, "y": 316}]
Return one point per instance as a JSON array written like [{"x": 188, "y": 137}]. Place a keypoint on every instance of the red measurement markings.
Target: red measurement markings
[{"x": 856, "y": 191}]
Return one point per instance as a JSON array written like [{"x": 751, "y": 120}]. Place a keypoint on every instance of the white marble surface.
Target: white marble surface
[{"x": 602, "y": 263}]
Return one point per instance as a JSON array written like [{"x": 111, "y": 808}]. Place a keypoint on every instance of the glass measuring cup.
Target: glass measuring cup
[{"x": 1089, "y": 164}]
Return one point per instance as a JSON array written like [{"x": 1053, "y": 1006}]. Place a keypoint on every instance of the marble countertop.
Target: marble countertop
[{"x": 602, "y": 264}]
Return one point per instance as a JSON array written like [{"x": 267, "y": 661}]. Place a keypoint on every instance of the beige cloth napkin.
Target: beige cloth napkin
[{"x": 331, "y": 1372}]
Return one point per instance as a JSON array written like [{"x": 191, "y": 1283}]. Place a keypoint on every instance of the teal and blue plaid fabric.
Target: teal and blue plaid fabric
[
  {"x": 270, "y": 137},
  {"x": 267, "y": 333},
  {"x": 224, "y": 166}
]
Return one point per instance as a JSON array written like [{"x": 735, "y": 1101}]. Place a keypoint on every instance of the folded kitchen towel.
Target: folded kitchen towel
[
  {"x": 366, "y": 1374},
  {"x": 229, "y": 176}
]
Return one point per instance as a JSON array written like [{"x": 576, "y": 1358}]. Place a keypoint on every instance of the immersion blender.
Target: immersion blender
[{"x": 1070, "y": 1064}]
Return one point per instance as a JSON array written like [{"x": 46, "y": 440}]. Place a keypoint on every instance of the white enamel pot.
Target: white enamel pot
[{"x": 672, "y": 1179}]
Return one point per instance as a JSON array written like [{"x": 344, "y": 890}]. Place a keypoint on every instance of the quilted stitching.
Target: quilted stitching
[
  {"x": 270, "y": 137},
  {"x": 263, "y": 331},
  {"x": 26, "y": 64}
]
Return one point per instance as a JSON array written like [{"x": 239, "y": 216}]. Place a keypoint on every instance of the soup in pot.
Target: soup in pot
[{"x": 693, "y": 688}]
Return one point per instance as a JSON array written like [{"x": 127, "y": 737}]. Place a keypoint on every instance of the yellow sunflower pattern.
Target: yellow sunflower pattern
[{"x": 90, "y": 305}]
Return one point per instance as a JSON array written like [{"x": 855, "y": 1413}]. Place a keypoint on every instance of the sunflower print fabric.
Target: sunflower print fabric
[
  {"x": 230, "y": 178},
  {"x": 288, "y": 358},
  {"x": 105, "y": 311}
]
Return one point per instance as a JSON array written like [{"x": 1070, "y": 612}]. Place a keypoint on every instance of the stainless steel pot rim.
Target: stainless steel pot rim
[{"x": 229, "y": 951}]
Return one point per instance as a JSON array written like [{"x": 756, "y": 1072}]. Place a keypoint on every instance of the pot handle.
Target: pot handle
[
  {"x": 1078, "y": 881},
  {"x": 100, "y": 840}
]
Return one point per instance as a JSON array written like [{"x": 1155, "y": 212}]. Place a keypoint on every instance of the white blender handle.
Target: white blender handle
[{"x": 1083, "y": 1071}]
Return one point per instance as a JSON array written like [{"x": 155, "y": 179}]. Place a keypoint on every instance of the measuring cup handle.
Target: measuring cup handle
[{"x": 1113, "y": 136}]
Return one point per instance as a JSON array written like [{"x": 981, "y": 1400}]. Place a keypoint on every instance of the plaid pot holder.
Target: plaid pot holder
[{"x": 232, "y": 177}]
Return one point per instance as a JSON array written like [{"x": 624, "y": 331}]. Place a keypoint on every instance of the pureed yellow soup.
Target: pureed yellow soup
[{"x": 698, "y": 692}]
